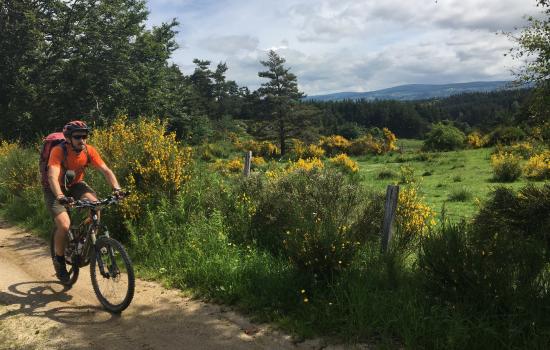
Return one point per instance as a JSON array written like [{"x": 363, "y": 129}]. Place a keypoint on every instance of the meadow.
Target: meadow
[{"x": 453, "y": 181}]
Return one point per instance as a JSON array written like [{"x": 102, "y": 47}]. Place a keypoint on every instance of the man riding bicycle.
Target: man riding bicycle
[{"x": 72, "y": 155}]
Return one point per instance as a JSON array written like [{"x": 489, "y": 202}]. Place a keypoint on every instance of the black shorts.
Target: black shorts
[{"x": 76, "y": 191}]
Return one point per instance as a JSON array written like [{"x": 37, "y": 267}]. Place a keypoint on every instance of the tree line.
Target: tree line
[{"x": 96, "y": 60}]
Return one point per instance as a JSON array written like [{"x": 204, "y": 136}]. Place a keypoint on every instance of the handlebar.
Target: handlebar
[{"x": 84, "y": 203}]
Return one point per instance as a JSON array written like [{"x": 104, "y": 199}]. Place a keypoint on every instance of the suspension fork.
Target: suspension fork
[{"x": 112, "y": 268}]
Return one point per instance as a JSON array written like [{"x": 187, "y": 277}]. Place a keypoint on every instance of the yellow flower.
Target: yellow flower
[
  {"x": 345, "y": 163},
  {"x": 538, "y": 166}
]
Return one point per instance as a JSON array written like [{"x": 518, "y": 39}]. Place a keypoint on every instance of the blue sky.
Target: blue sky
[{"x": 349, "y": 45}]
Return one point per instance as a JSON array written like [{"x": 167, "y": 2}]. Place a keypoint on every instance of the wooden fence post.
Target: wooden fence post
[
  {"x": 390, "y": 207},
  {"x": 247, "y": 161}
]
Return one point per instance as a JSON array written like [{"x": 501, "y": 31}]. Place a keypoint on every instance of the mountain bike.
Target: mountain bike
[{"x": 111, "y": 270}]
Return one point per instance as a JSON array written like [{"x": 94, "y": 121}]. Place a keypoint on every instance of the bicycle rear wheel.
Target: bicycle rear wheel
[
  {"x": 72, "y": 269},
  {"x": 112, "y": 275}
]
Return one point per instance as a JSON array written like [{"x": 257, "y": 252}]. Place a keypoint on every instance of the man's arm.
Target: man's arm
[
  {"x": 53, "y": 180},
  {"x": 109, "y": 176}
]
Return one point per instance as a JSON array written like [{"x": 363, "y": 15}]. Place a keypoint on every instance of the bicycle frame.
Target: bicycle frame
[{"x": 92, "y": 225}]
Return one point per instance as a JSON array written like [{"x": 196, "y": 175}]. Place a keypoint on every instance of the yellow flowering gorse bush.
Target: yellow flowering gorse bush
[
  {"x": 334, "y": 144},
  {"x": 390, "y": 140},
  {"x": 374, "y": 145},
  {"x": 522, "y": 149},
  {"x": 151, "y": 161},
  {"x": 476, "y": 140},
  {"x": 258, "y": 161},
  {"x": 7, "y": 147},
  {"x": 413, "y": 217},
  {"x": 18, "y": 168},
  {"x": 305, "y": 164},
  {"x": 366, "y": 144},
  {"x": 538, "y": 166},
  {"x": 235, "y": 165},
  {"x": 310, "y": 151},
  {"x": 506, "y": 166},
  {"x": 259, "y": 148},
  {"x": 345, "y": 163}
]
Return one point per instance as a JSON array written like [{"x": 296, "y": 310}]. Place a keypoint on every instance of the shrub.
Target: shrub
[
  {"x": 235, "y": 165},
  {"x": 387, "y": 174},
  {"x": 460, "y": 195},
  {"x": 212, "y": 151},
  {"x": 425, "y": 157},
  {"x": 334, "y": 144},
  {"x": 413, "y": 220},
  {"x": 443, "y": 137},
  {"x": 18, "y": 168},
  {"x": 522, "y": 149},
  {"x": 390, "y": 140},
  {"x": 506, "y": 167},
  {"x": 150, "y": 161},
  {"x": 498, "y": 263},
  {"x": 259, "y": 148},
  {"x": 374, "y": 144},
  {"x": 312, "y": 218},
  {"x": 342, "y": 161},
  {"x": 350, "y": 130},
  {"x": 506, "y": 135},
  {"x": 521, "y": 214},
  {"x": 305, "y": 164},
  {"x": 476, "y": 140},
  {"x": 258, "y": 161},
  {"x": 366, "y": 145},
  {"x": 406, "y": 174},
  {"x": 300, "y": 150},
  {"x": 538, "y": 166},
  {"x": 193, "y": 129}
]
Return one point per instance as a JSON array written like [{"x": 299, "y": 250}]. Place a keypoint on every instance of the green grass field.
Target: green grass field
[{"x": 453, "y": 179}]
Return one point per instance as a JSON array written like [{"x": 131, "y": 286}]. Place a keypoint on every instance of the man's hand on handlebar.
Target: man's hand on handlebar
[
  {"x": 63, "y": 200},
  {"x": 119, "y": 193}
]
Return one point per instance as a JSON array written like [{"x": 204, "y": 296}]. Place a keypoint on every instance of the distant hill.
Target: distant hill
[{"x": 416, "y": 91}]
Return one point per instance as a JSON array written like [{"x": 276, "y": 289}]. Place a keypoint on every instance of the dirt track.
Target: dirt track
[{"x": 36, "y": 312}]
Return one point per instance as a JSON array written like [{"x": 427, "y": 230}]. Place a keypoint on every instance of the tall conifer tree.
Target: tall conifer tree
[{"x": 280, "y": 94}]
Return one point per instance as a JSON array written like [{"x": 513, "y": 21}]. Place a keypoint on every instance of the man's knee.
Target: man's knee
[{"x": 62, "y": 222}]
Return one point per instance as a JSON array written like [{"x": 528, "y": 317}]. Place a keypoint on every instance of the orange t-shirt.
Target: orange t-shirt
[{"x": 74, "y": 161}]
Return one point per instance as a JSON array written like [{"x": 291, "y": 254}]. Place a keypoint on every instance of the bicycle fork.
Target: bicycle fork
[{"x": 112, "y": 268}]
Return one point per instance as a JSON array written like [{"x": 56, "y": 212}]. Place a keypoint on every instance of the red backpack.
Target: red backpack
[{"x": 51, "y": 141}]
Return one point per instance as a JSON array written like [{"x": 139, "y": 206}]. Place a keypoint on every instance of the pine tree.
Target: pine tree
[{"x": 280, "y": 94}]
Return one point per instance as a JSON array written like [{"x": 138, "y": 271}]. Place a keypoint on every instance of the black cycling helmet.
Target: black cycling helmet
[{"x": 75, "y": 125}]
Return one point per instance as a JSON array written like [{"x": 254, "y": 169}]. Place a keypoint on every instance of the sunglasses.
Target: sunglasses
[{"x": 80, "y": 137}]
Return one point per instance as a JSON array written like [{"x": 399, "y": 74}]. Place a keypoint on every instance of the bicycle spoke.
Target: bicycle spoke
[
  {"x": 113, "y": 288},
  {"x": 114, "y": 282}
]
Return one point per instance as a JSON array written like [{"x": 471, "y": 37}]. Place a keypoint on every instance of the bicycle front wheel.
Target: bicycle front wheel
[{"x": 112, "y": 275}]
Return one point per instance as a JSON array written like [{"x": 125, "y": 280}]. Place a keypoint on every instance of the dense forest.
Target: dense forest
[{"x": 96, "y": 60}]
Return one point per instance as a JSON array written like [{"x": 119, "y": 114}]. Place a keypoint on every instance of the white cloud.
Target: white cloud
[
  {"x": 349, "y": 45},
  {"x": 229, "y": 44}
]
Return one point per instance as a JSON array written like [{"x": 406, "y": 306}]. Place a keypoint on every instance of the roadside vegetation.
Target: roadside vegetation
[{"x": 297, "y": 242}]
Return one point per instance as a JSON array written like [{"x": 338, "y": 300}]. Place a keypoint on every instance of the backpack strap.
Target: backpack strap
[
  {"x": 65, "y": 155},
  {"x": 88, "y": 159}
]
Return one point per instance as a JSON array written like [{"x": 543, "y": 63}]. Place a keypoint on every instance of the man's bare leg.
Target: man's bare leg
[{"x": 62, "y": 224}]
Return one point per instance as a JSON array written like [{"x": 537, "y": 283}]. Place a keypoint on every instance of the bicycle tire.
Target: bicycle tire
[
  {"x": 73, "y": 269},
  {"x": 103, "y": 248}
]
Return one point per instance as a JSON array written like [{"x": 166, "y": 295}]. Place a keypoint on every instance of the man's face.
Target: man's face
[{"x": 78, "y": 140}]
